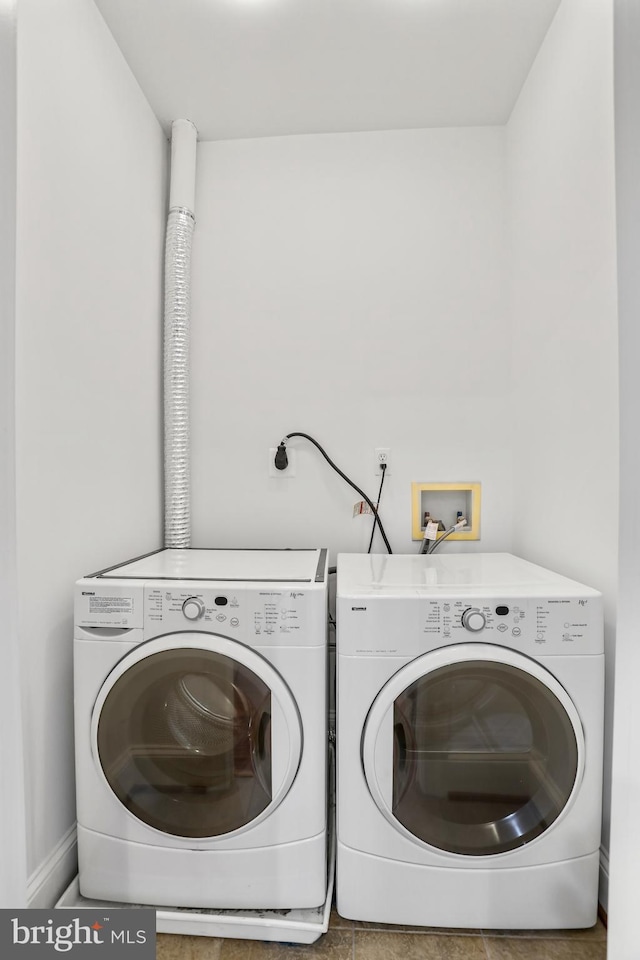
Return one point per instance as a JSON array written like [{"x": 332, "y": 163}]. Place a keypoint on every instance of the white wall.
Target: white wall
[
  {"x": 13, "y": 880},
  {"x": 352, "y": 287},
  {"x": 564, "y": 306},
  {"x": 625, "y": 830},
  {"x": 91, "y": 201}
]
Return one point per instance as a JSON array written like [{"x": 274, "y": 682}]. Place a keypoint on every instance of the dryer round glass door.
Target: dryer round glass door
[
  {"x": 196, "y": 735},
  {"x": 475, "y": 750}
]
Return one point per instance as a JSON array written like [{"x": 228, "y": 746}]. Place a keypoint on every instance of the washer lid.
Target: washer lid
[{"x": 265, "y": 566}]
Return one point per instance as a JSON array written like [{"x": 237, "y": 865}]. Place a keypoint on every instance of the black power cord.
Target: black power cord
[
  {"x": 281, "y": 461},
  {"x": 376, "y": 519}
]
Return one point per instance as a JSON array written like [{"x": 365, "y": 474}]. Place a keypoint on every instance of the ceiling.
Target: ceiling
[{"x": 263, "y": 68}]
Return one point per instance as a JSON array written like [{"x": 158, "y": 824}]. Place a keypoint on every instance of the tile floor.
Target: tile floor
[{"x": 348, "y": 940}]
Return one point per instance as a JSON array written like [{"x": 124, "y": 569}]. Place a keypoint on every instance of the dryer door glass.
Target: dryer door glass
[
  {"x": 184, "y": 740},
  {"x": 484, "y": 758}
]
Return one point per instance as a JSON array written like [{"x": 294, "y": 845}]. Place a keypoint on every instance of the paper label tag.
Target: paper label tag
[
  {"x": 431, "y": 531},
  {"x": 361, "y": 507}
]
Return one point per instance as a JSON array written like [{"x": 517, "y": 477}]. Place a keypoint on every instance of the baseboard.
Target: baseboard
[
  {"x": 603, "y": 890},
  {"x": 47, "y": 884}
]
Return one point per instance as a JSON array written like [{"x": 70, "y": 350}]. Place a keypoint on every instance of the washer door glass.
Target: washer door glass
[
  {"x": 480, "y": 756},
  {"x": 185, "y": 738}
]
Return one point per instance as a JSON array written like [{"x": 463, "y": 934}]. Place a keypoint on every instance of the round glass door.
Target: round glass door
[
  {"x": 185, "y": 737},
  {"x": 477, "y": 756}
]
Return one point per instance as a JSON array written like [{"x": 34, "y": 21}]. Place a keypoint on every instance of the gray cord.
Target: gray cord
[{"x": 447, "y": 533}]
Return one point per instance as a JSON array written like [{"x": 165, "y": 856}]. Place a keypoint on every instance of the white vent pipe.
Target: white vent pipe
[{"x": 177, "y": 316}]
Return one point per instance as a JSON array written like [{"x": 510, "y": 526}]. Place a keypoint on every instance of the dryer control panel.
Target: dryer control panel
[
  {"x": 524, "y": 623},
  {"x": 537, "y": 626}
]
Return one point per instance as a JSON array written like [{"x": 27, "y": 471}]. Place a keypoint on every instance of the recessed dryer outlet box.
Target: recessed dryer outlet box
[{"x": 443, "y": 501}]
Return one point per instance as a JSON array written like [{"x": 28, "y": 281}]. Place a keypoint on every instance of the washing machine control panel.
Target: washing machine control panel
[{"x": 260, "y": 617}]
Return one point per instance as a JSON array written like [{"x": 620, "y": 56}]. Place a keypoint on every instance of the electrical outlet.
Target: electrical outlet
[
  {"x": 289, "y": 472},
  {"x": 382, "y": 455}
]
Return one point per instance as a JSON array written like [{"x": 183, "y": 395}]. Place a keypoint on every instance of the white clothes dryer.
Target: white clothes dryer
[
  {"x": 469, "y": 742},
  {"x": 201, "y": 729}
]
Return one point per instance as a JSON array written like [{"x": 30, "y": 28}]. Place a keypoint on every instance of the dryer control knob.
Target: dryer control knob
[
  {"x": 193, "y": 608},
  {"x": 474, "y": 620}
]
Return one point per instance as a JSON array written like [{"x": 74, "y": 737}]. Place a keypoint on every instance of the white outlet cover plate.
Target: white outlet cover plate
[
  {"x": 287, "y": 474},
  {"x": 377, "y": 472}
]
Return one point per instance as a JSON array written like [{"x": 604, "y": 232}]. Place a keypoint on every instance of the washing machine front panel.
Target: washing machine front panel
[
  {"x": 197, "y": 736},
  {"x": 473, "y": 750}
]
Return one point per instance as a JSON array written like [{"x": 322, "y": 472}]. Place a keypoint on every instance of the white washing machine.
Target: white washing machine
[
  {"x": 201, "y": 729},
  {"x": 469, "y": 742}
]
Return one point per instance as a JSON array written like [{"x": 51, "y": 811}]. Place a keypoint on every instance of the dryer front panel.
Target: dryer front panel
[
  {"x": 474, "y": 750},
  {"x": 197, "y": 737}
]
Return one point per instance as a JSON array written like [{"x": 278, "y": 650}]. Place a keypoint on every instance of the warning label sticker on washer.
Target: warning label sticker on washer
[
  {"x": 109, "y": 605},
  {"x": 112, "y": 606}
]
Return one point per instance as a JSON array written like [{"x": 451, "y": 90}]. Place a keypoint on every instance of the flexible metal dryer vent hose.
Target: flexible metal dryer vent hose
[{"x": 177, "y": 318}]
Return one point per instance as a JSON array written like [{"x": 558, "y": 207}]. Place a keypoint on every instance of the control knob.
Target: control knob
[
  {"x": 474, "y": 620},
  {"x": 193, "y": 608}
]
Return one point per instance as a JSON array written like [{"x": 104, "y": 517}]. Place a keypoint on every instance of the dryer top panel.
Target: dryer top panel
[
  {"x": 468, "y": 574},
  {"x": 248, "y": 566}
]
